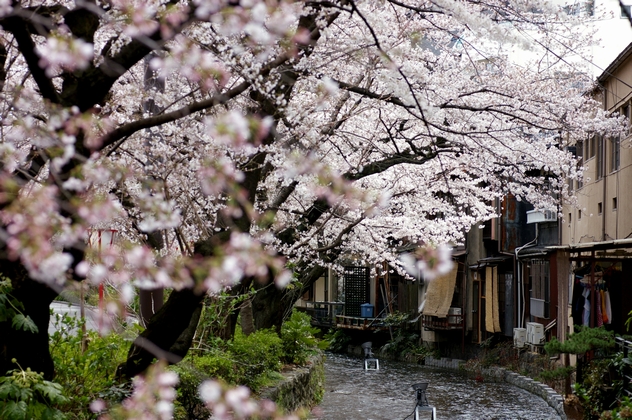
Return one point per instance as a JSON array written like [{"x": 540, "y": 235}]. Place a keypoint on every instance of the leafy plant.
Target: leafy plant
[
  {"x": 403, "y": 343},
  {"x": 623, "y": 411},
  {"x": 584, "y": 340},
  {"x": 25, "y": 394},
  {"x": 299, "y": 338},
  {"x": 556, "y": 374},
  {"x": 86, "y": 375},
  {"x": 255, "y": 354},
  {"x": 337, "y": 341},
  {"x": 11, "y": 309},
  {"x": 595, "y": 390}
]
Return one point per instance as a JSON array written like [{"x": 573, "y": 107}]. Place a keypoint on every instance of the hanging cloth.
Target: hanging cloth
[
  {"x": 586, "y": 313},
  {"x": 598, "y": 313},
  {"x": 608, "y": 307},
  {"x": 604, "y": 312}
]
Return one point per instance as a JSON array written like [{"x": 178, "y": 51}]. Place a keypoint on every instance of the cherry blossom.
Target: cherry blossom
[{"x": 227, "y": 142}]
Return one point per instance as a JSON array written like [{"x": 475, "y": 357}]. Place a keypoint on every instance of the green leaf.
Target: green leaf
[
  {"x": 51, "y": 392},
  {"x": 21, "y": 322},
  {"x": 14, "y": 410},
  {"x": 52, "y": 414},
  {"x": 7, "y": 389}
]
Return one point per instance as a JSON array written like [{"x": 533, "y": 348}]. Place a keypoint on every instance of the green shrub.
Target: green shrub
[
  {"x": 594, "y": 391},
  {"x": 86, "y": 376},
  {"x": 11, "y": 309},
  {"x": 403, "y": 344},
  {"x": 623, "y": 411},
  {"x": 584, "y": 340},
  {"x": 337, "y": 341},
  {"x": 299, "y": 338},
  {"x": 255, "y": 354},
  {"x": 26, "y": 395}
]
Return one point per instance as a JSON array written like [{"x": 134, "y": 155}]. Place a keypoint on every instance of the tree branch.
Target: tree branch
[{"x": 18, "y": 27}]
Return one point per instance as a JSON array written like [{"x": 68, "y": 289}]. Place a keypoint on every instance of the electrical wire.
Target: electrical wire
[{"x": 413, "y": 412}]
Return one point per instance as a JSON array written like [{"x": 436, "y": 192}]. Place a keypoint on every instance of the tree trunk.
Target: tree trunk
[
  {"x": 271, "y": 305},
  {"x": 247, "y": 322},
  {"x": 172, "y": 328},
  {"x": 30, "y": 350}
]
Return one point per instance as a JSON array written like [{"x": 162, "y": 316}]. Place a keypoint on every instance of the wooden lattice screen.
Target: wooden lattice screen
[{"x": 356, "y": 281}]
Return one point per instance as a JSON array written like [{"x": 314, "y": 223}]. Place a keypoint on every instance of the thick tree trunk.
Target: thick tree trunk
[
  {"x": 30, "y": 350},
  {"x": 271, "y": 305},
  {"x": 167, "y": 336},
  {"x": 247, "y": 322}
]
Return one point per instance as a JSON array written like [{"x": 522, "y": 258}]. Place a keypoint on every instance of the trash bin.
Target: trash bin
[{"x": 366, "y": 310}]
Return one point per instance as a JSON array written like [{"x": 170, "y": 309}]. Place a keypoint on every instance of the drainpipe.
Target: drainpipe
[{"x": 521, "y": 298}]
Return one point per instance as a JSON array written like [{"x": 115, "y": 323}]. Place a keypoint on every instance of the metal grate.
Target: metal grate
[{"x": 356, "y": 281}]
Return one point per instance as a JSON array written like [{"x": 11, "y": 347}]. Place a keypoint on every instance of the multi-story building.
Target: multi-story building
[{"x": 596, "y": 234}]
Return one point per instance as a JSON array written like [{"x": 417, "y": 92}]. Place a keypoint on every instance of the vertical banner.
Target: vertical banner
[
  {"x": 495, "y": 299},
  {"x": 489, "y": 300}
]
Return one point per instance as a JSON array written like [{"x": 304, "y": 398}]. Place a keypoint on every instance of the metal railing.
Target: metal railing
[
  {"x": 625, "y": 347},
  {"x": 323, "y": 313}
]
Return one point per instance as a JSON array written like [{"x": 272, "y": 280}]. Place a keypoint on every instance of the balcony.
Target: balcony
[{"x": 454, "y": 320}]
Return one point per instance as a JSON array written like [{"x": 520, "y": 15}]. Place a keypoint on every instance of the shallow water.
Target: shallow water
[{"x": 351, "y": 393}]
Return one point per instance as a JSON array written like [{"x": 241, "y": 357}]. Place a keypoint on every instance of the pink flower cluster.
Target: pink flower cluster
[
  {"x": 152, "y": 397},
  {"x": 236, "y": 404},
  {"x": 62, "y": 51}
]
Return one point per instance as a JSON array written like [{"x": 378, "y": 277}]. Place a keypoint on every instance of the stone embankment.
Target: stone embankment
[
  {"x": 499, "y": 374},
  {"x": 302, "y": 387}
]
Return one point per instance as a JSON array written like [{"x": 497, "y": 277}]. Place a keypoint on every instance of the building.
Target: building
[{"x": 596, "y": 235}]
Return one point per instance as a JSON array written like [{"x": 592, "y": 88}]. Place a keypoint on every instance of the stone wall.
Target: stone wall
[
  {"x": 301, "y": 387},
  {"x": 553, "y": 399}
]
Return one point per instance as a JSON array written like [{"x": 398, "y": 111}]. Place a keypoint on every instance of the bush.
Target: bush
[
  {"x": 26, "y": 395},
  {"x": 256, "y": 354},
  {"x": 404, "y": 345},
  {"x": 299, "y": 341},
  {"x": 337, "y": 341},
  {"x": 86, "y": 376},
  {"x": 624, "y": 411},
  {"x": 192, "y": 371}
]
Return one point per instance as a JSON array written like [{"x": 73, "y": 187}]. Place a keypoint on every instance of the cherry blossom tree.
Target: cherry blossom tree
[{"x": 228, "y": 141}]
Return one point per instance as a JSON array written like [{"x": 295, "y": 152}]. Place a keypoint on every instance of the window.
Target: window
[
  {"x": 626, "y": 11},
  {"x": 599, "y": 208},
  {"x": 615, "y": 153},
  {"x": 570, "y": 218},
  {"x": 539, "y": 273},
  {"x": 578, "y": 8},
  {"x": 579, "y": 215},
  {"x": 625, "y": 112},
  {"x": 592, "y": 146},
  {"x": 614, "y": 203}
]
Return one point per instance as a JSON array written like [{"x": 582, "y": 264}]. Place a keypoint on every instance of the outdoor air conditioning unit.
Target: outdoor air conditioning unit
[
  {"x": 520, "y": 337},
  {"x": 535, "y": 333},
  {"x": 539, "y": 216}
]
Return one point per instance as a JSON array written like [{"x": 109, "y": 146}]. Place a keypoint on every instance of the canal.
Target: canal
[{"x": 351, "y": 393}]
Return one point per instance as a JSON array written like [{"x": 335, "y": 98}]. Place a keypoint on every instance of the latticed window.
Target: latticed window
[{"x": 356, "y": 281}]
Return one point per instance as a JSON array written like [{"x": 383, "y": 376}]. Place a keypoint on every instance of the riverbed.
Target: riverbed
[{"x": 352, "y": 393}]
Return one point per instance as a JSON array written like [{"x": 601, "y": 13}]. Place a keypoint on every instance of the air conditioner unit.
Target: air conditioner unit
[
  {"x": 535, "y": 333},
  {"x": 520, "y": 337},
  {"x": 539, "y": 216},
  {"x": 550, "y": 215}
]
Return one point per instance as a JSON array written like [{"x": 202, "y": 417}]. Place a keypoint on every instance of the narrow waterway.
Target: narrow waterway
[{"x": 351, "y": 393}]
